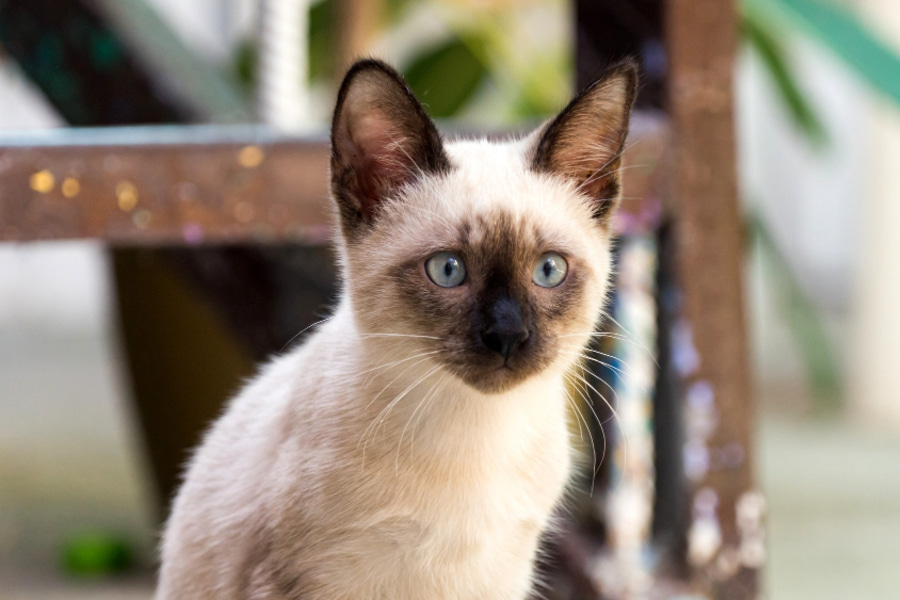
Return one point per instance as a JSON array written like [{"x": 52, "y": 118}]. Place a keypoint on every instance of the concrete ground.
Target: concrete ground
[
  {"x": 834, "y": 510},
  {"x": 69, "y": 463}
]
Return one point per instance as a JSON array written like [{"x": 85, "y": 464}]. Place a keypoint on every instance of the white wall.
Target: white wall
[
  {"x": 874, "y": 391},
  {"x": 835, "y": 213},
  {"x": 809, "y": 197}
]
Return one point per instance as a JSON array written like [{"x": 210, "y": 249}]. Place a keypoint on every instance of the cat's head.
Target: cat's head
[{"x": 494, "y": 257}]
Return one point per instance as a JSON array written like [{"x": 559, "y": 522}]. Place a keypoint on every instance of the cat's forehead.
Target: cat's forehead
[
  {"x": 491, "y": 192},
  {"x": 485, "y": 172},
  {"x": 488, "y": 154}
]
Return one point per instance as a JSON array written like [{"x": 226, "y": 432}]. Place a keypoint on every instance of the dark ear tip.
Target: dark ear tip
[
  {"x": 628, "y": 69},
  {"x": 629, "y": 63},
  {"x": 369, "y": 66}
]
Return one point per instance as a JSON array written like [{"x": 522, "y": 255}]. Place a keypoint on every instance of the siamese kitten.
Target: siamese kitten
[{"x": 415, "y": 446}]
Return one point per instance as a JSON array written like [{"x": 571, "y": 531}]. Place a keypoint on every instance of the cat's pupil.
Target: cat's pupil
[
  {"x": 445, "y": 269},
  {"x": 550, "y": 270}
]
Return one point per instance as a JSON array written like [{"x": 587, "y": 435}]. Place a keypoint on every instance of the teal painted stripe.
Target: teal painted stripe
[{"x": 845, "y": 34}]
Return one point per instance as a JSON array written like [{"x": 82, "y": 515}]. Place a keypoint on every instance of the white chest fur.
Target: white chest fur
[
  {"x": 455, "y": 510},
  {"x": 458, "y": 524}
]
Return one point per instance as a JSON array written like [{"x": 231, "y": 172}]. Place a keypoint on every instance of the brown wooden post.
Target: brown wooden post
[
  {"x": 725, "y": 545},
  {"x": 357, "y": 23}
]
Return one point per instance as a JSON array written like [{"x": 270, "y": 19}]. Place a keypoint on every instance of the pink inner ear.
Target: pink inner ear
[{"x": 381, "y": 146}]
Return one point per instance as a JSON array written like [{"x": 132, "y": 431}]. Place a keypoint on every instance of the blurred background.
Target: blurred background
[{"x": 817, "y": 100}]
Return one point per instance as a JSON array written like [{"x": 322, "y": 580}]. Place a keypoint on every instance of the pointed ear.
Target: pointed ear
[
  {"x": 584, "y": 143},
  {"x": 381, "y": 139}
]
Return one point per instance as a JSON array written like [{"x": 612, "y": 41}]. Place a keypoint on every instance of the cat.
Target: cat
[{"x": 416, "y": 445}]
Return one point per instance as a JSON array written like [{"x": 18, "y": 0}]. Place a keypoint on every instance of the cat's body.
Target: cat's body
[
  {"x": 415, "y": 446},
  {"x": 328, "y": 514}
]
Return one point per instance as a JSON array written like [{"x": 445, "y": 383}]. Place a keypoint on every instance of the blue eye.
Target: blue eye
[
  {"x": 446, "y": 269},
  {"x": 550, "y": 270}
]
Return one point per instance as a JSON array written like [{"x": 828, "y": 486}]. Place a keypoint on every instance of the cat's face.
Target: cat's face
[{"x": 492, "y": 257}]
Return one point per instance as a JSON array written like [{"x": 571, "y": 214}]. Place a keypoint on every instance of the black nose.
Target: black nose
[
  {"x": 506, "y": 331},
  {"x": 504, "y": 341}
]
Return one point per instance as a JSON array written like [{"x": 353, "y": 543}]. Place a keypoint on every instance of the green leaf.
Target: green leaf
[
  {"x": 763, "y": 38},
  {"x": 446, "y": 77},
  {"x": 840, "y": 29},
  {"x": 96, "y": 553}
]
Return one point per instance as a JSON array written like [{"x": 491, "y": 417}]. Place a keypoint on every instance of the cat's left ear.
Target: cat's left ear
[
  {"x": 381, "y": 139},
  {"x": 584, "y": 143}
]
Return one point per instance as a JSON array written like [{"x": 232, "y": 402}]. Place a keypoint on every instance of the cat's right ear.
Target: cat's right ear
[
  {"x": 381, "y": 139},
  {"x": 584, "y": 143}
]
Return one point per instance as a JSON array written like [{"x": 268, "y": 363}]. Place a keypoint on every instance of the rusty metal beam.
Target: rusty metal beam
[
  {"x": 701, "y": 39},
  {"x": 164, "y": 185},
  {"x": 171, "y": 185}
]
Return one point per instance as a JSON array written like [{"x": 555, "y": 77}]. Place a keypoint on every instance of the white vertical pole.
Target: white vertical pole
[{"x": 283, "y": 100}]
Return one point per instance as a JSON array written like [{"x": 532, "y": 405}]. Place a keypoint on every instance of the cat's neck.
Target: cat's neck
[{"x": 403, "y": 391}]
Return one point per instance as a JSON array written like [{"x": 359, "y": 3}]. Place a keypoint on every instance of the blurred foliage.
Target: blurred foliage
[
  {"x": 840, "y": 28},
  {"x": 766, "y": 40},
  {"x": 96, "y": 554},
  {"x": 822, "y": 368},
  {"x": 322, "y": 41},
  {"x": 448, "y": 73},
  {"x": 765, "y": 24},
  {"x": 244, "y": 65},
  {"x": 445, "y": 77}
]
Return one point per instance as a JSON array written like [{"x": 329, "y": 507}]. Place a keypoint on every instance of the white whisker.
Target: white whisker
[
  {"x": 302, "y": 331},
  {"x": 595, "y": 467},
  {"x": 618, "y": 419},
  {"x": 398, "y": 335},
  {"x": 422, "y": 402},
  {"x": 397, "y": 362}
]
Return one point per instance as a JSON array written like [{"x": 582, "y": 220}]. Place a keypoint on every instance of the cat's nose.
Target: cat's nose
[
  {"x": 504, "y": 341},
  {"x": 507, "y": 330}
]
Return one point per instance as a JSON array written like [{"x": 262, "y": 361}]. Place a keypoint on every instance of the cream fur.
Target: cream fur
[{"x": 309, "y": 487}]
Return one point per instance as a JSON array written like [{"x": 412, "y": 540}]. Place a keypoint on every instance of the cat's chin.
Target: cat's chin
[{"x": 495, "y": 379}]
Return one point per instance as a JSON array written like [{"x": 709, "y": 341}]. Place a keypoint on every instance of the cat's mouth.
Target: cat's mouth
[
  {"x": 499, "y": 379},
  {"x": 493, "y": 373}
]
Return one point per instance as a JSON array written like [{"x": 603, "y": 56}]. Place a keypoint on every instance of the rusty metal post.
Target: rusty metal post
[{"x": 725, "y": 533}]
